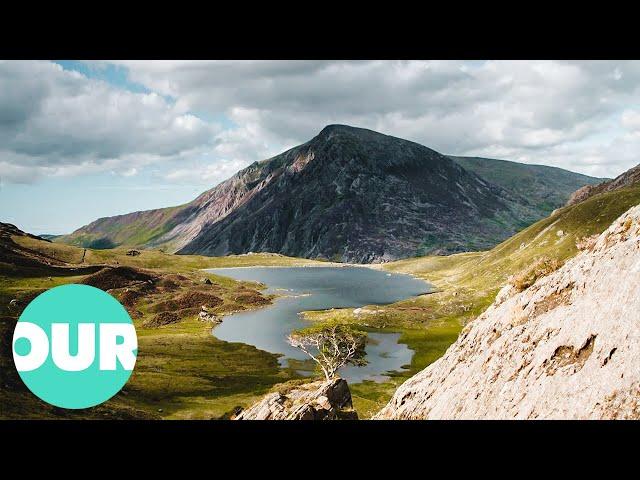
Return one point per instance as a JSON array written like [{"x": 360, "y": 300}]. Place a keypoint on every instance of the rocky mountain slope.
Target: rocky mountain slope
[
  {"x": 566, "y": 347},
  {"x": 348, "y": 194},
  {"x": 627, "y": 179},
  {"x": 544, "y": 188}
]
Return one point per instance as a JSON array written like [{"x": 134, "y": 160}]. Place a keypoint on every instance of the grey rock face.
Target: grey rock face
[
  {"x": 355, "y": 195},
  {"x": 312, "y": 401}
]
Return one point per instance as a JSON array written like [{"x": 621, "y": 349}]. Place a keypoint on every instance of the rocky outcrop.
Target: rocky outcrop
[
  {"x": 349, "y": 194},
  {"x": 206, "y": 316},
  {"x": 312, "y": 401},
  {"x": 627, "y": 179},
  {"x": 568, "y": 347}
]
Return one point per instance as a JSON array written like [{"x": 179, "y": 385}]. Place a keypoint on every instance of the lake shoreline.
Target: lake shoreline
[
  {"x": 371, "y": 266},
  {"x": 265, "y": 328},
  {"x": 305, "y": 265}
]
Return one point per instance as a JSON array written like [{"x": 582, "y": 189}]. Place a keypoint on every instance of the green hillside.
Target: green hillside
[{"x": 134, "y": 229}]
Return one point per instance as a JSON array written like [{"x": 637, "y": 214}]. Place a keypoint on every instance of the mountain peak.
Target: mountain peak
[
  {"x": 374, "y": 145},
  {"x": 349, "y": 194},
  {"x": 338, "y": 128}
]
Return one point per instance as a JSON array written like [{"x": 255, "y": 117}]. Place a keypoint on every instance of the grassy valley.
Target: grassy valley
[{"x": 182, "y": 371}]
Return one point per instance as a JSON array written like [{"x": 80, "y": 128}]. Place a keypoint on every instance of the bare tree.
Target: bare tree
[{"x": 331, "y": 347}]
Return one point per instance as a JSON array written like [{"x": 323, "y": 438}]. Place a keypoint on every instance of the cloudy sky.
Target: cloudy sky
[{"x": 81, "y": 140}]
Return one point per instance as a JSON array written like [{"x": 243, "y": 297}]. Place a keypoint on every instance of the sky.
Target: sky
[{"x": 81, "y": 140}]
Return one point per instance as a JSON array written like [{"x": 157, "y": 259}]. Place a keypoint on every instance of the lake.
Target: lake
[{"x": 321, "y": 288}]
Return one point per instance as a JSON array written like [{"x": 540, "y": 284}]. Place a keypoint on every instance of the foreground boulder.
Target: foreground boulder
[
  {"x": 568, "y": 347},
  {"x": 312, "y": 401}
]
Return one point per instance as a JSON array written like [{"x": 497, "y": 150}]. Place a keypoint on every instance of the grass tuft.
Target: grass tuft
[{"x": 540, "y": 268}]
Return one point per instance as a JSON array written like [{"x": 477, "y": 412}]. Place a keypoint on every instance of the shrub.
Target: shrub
[
  {"x": 540, "y": 268},
  {"x": 331, "y": 346}
]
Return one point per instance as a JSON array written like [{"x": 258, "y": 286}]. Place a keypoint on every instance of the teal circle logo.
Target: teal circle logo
[{"x": 75, "y": 346}]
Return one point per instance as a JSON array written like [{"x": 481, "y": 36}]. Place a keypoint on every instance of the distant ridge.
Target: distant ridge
[
  {"x": 544, "y": 187},
  {"x": 626, "y": 179}
]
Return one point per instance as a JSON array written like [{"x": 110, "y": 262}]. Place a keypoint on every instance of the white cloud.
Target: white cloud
[
  {"x": 631, "y": 120},
  {"x": 576, "y": 115},
  {"x": 527, "y": 108},
  {"x": 57, "y": 122},
  {"x": 211, "y": 174}
]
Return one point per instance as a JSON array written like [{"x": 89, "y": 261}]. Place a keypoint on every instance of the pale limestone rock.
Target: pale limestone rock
[
  {"x": 312, "y": 401},
  {"x": 206, "y": 316},
  {"x": 504, "y": 294},
  {"x": 568, "y": 347}
]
